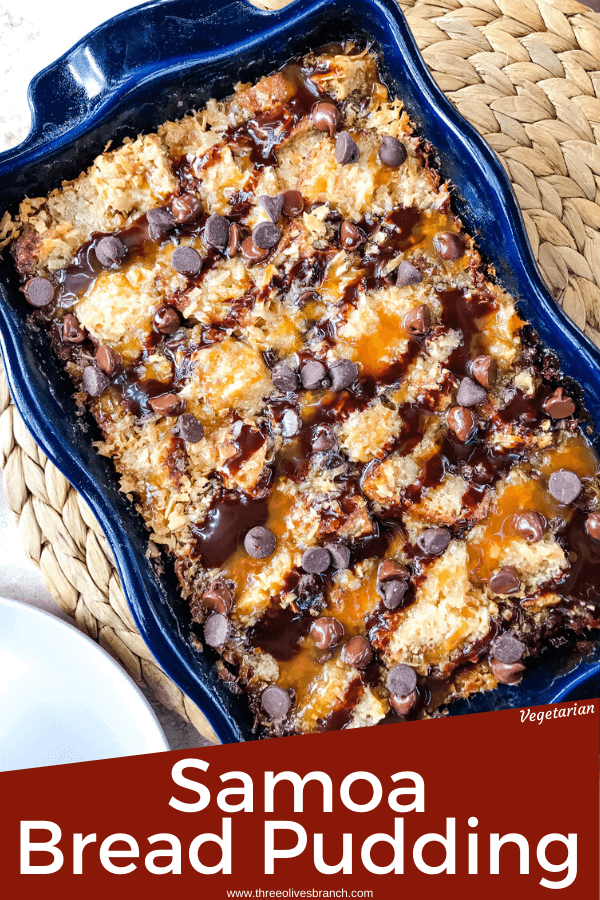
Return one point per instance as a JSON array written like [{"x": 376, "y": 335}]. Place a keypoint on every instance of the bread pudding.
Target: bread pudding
[{"x": 371, "y": 478}]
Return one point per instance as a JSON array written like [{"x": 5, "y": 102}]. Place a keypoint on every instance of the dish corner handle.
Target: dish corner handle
[{"x": 70, "y": 89}]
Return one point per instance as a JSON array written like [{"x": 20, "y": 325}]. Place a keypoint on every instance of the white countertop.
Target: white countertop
[{"x": 32, "y": 35}]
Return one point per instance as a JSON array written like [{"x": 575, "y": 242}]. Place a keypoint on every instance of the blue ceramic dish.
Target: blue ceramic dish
[{"x": 157, "y": 62}]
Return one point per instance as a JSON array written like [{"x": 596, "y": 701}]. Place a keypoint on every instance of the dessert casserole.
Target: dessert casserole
[{"x": 372, "y": 480}]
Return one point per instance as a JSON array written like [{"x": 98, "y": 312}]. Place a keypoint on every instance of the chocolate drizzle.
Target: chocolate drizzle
[
  {"x": 581, "y": 584},
  {"x": 401, "y": 229},
  {"x": 466, "y": 315},
  {"x": 280, "y": 631},
  {"x": 77, "y": 278},
  {"x": 247, "y": 441},
  {"x": 82, "y": 273},
  {"x": 479, "y": 463},
  {"x": 135, "y": 392},
  {"x": 230, "y": 516},
  {"x": 263, "y": 133},
  {"x": 524, "y": 411},
  {"x": 341, "y": 715}
]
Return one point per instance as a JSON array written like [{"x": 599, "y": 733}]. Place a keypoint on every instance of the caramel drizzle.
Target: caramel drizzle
[{"x": 262, "y": 134}]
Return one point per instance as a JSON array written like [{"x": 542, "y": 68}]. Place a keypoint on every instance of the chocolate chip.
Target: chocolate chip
[
  {"x": 507, "y": 648},
  {"x": 293, "y": 204},
  {"x": 216, "y": 231},
  {"x": 108, "y": 360},
  {"x": 470, "y": 394},
  {"x": 484, "y": 370},
  {"x": 266, "y": 235},
  {"x": 94, "y": 382},
  {"x": 217, "y": 630},
  {"x": 507, "y": 674},
  {"x": 312, "y": 374},
  {"x": 252, "y": 253},
  {"x": 418, "y": 320},
  {"x": 260, "y": 542},
  {"x": 276, "y": 702},
  {"x": 315, "y": 560},
  {"x": 564, "y": 486},
  {"x": 392, "y": 152},
  {"x": 167, "y": 404},
  {"x": 178, "y": 340},
  {"x": 393, "y": 593},
  {"x": 284, "y": 378},
  {"x": 346, "y": 149},
  {"x": 188, "y": 428},
  {"x": 72, "y": 332},
  {"x": 505, "y": 581},
  {"x": 401, "y": 680},
  {"x": 309, "y": 593},
  {"x": 291, "y": 423},
  {"x": 186, "y": 208},
  {"x": 403, "y": 706},
  {"x": 218, "y": 597},
  {"x": 334, "y": 461},
  {"x": 592, "y": 526},
  {"x": 357, "y": 652},
  {"x": 462, "y": 422},
  {"x": 166, "y": 320},
  {"x": 323, "y": 440},
  {"x": 531, "y": 526},
  {"x": 160, "y": 223},
  {"x": 449, "y": 246},
  {"x": 434, "y": 541},
  {"x": 39, "y": 291},
  {"x": 326, "y": 117},
  {"x": 327, "y": 632},
  {"x": 236, "y": 239},
  {"x": 342, "y": 373},
  {"x": 407, "y": 274},
  {"x": 110, "y": 251},
  {"x": 390, "y": 570},
  {"x": 351, "y": 237},
  {"x": 340, "y": 556},
  {"x": 186, "y": 260},
  {"x": 559, "y": 406},
  {"x": 273, "y": 206}
]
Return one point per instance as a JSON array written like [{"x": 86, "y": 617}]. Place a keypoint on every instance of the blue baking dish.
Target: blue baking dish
[{"x": 158, "y": 61}]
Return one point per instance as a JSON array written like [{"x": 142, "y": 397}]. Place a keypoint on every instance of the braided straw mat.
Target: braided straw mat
[{"x": 527, "y": 76}]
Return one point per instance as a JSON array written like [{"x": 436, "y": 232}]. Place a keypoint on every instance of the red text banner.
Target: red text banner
[{"x": 504, "y": 803}]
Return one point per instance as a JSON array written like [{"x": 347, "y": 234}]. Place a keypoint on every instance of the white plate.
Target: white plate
[{"x": 62, "y": 698}]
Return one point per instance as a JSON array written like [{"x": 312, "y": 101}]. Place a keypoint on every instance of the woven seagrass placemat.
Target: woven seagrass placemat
[{"x": 527, "y": 76}]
